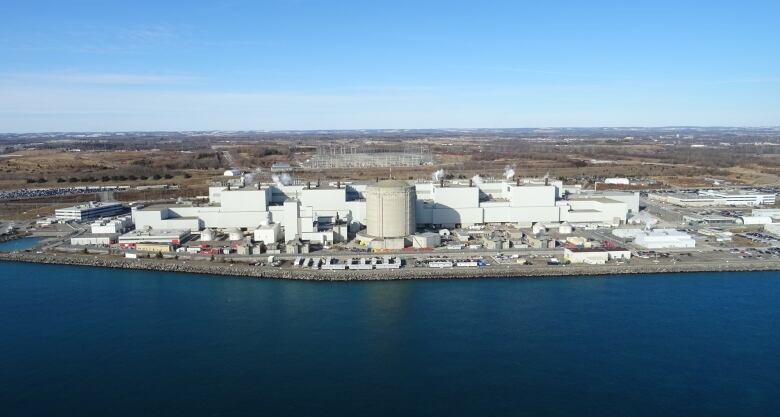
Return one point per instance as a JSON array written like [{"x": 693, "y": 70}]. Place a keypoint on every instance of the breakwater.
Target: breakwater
[{"x": 250, "y": 271}]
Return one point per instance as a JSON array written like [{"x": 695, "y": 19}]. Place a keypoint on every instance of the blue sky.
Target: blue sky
[{"x": 239, "y": 65}]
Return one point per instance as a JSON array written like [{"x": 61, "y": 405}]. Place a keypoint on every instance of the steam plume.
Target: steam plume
[
  {"x": 509, "y": 172},
  {"x": 283, "y": 179}
]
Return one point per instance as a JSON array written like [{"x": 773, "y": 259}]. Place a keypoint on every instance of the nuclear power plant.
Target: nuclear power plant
[{"x": 383, "y": 214}]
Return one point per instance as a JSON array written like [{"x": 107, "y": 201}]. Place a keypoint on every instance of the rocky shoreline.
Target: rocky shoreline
[{"x": 250, "y": 271}]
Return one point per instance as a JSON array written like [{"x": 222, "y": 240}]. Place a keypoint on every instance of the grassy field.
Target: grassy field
[{"x": 192, "y": 164}]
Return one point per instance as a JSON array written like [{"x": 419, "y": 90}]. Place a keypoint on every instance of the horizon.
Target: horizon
[
  {"x": 305, "y": 66},
  {"x": 681, "y": 127}
]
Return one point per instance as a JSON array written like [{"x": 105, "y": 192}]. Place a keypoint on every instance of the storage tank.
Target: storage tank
[
  {"x": 207, "y": 235},
  {"x": 390, "y": 206}
]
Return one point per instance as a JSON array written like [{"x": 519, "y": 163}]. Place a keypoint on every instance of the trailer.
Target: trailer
[
  {"x": 333, "y": 264},
  {"x": 362, "y": 264},
  {"x": 470, "y": 263}
]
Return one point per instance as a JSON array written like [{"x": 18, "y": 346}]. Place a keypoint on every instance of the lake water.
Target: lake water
[
  {"x": 97, "y": 342},
  {"x": 19, "y": 244}
]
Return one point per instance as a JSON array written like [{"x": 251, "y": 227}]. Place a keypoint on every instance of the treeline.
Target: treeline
[{"x": 107, "y": 178}]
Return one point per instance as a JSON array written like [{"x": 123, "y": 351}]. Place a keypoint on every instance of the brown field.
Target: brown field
[{"x": 191, "y": 163}]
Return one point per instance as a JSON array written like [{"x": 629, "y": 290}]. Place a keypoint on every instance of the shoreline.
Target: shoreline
[
  {"x": 15, "y": 236},
  {"x": 407, "y": 273}
]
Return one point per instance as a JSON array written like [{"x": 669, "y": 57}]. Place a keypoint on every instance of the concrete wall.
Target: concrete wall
[
  {"x": 423, "y": 212},
  {"x": 268, "y": 234},
  {"x": 631, "y": 199},
  {"x": 495, "y": 189},
  {"x": 532, "y": 195},
  {"x": 585, "y": 257},
  {"x": 292, "y": 226},
  {"x": 215, "y": 194},
  {"x": 456, "y": 197},
  {"x": 498, "y": 214},
  {"x": 452, "y": 216},
  {"x": 324, "y": 198},
  {"x": 245, "y": 199},
  {"x": 589, "y": 211},
  {"x": 536, "y": 214}
]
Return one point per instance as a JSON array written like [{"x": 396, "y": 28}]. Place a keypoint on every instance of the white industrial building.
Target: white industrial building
[
  {"x": 426, "y": 240},
  {"x": 708, "y": 198},
  {"x": 173, "y": 237},
  {"x": 617, "y": 181},
  {"x": 740, "y": 197},
  {"x": 117, "y": 225},
  {"x": 755, "y": 220},
  {"x": 594, "y": 256},
  {"x": 94, "y": 239},
  {"x": 89, "y": 211},
  {"x": 268, "y": 233},
  {"x": 773, "y": 213},
  {"x": 773, "y": 228},
  {"x": 657, "y": 238},
  {"x": 385, "y": 213}
]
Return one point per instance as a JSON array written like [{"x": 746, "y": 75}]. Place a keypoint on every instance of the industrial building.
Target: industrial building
[
  {"x": 708, "y": 198},
  {"x": 384, "y": 214},
  {"x": 773, "y": 213},
  {"x": 89, "y": 211},
  {"x": 154, "y": 247},
  {"x": 146, "y": 235},
  {"x": 755, "y": 220},
  {"x": 117, "y": 225},
  {"x": 95, "y": 239},
  {"x": 657, "y": 238},
  {"x": 617, "y": 181},
  {"x": 594, "y": 256}
]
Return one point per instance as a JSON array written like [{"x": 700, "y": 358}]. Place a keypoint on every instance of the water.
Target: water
[
  {"x": 19, "y": 244},
  {"x": 95, "y": 342}
]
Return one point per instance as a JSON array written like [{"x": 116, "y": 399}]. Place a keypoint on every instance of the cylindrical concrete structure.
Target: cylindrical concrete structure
[{"x": 390, "y": 207}]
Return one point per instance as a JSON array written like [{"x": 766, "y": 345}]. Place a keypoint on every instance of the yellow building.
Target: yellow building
[{"x": 154, "y": 247}]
